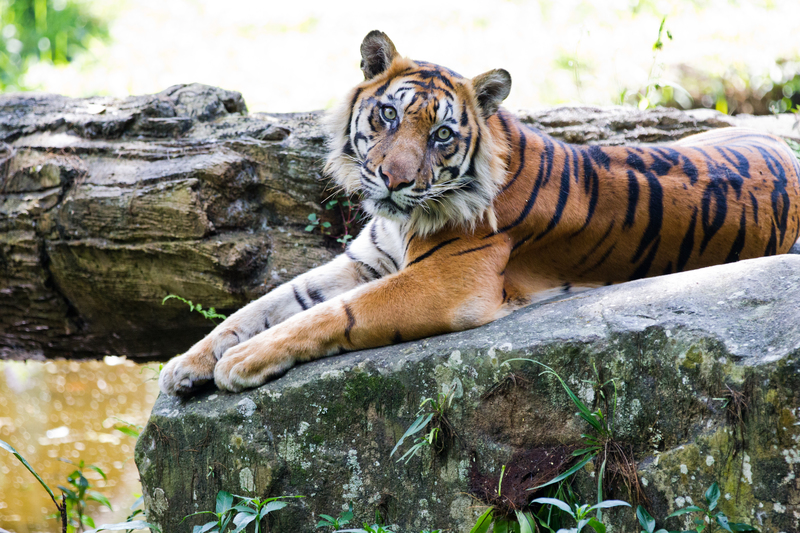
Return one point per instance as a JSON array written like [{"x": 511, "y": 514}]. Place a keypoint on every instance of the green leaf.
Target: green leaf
[
  {"x": 99, "y": 498},
  {"x": 312, "y": 217},
  {"x": 735, "y": 526},
  {"x": 610, "y": 503},
  {"x": 133, "y": 524},
  {"x": 566, "y": 474},
  {"x": 309, "y": 228},
  {"x": 241, "y": 521},
  {"x": 722, "y": 520},
  {"x": 595, "y": 524},
  {"x": 600, "y": 477},
  {"x": 70, "y": 494},
  {"x": 87, "y": 520},
  {"x": 129, "y": 431},
  {"x": 326, "y": 225},
  {"x": 526, "y": 522},
  {"x": 271, "y": 506},
  {"x": 418, "y": 425},
  {"x": 208, "y": 526},
  {"x": 582, "y": 451},
  {"x": 224, "y": 501},
  {"x": 712, "y": 496},
  {"x": 483, "y": 523},
  {"x": 583, "y": 411},
  {"x": 689, "y": 509},
  {"x": 647, "y": 522},
  {"x": 564, "y": 506},
  {"x": 7, "y": 447}
]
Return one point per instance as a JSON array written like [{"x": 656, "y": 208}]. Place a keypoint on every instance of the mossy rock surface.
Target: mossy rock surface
[{"x": 675, "y": 345}]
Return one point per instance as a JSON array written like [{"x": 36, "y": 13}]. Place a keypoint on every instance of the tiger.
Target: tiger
[{"x": 475, "y": 214}]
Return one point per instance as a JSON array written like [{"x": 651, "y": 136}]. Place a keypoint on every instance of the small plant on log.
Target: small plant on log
[
  {"x": 336, "y": 523},
  {"x": 247, "y": 511},
  {"x": 580, "y": 513},
  {"x": 617, "y": 460},
  {"x": 706, "y": 515},
  {"x": 440, "y": 434},
  {"x": 209, "y": 314}
]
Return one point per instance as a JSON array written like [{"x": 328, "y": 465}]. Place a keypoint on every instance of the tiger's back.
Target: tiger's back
[{"x": 583, "y": 215}]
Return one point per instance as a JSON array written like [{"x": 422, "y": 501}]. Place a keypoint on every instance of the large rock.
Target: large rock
[
  {"x": 678, "y": 347},
  {"x": 108, "y": 205}
]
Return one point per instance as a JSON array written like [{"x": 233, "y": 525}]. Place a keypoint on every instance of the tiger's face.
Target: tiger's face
[{"x": 413, "y": 140}]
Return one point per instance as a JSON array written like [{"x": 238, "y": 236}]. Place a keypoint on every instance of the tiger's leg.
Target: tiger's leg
[
  {"x": 426, "y": 298},
  {"x": 375, "y": 253}
]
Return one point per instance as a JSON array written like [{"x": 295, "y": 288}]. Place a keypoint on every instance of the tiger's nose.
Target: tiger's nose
[{"x": 394, "y": 178}]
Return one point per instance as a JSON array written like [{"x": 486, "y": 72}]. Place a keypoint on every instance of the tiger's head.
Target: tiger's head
[{"x": 413, "y": 140}]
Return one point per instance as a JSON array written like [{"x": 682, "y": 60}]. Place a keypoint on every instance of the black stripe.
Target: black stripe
[
  {"x": 373, "y": 236},
  {"x": 599, "y": 262},
  {"x": 534, "y": 193},
  {"x": 507, "y": 132},
  {"x": 315, "y": 294},
  {"x": 633, "y": 200},
  {"x": 522, "y": 146},
  {"x": 397, "y": 339},
  {"x": 266, "y": 323},
  {"x": 780, "y": 198},
  {"x": 742, "y": 165},
  {"x": 520, "y": 242},
  {"x": 471, "y": 250},
  {"x": 300, "y": 299},
  {"x": 668, "y": 268},
  {"x": 591, "y": 184},
  {"x": 659, "y": 166},
  {"x": 374, "y": 273},
  {"x": 563, "y": 195},
  {"x": 351, "y": 321},
  {"x": 600, "y": 157},
  {"x": 575, "y": 167},
  {"x": 755, "y": 207},
  {"x": 655, "y": 215},
  {"x": 738, "y": 243},
  {"x": 772, "y": 246},
  {"x": 432, "y": 251},
  {"x": 352, "y": 109},
  {"x": 715, "y": 192},
  {"x": 597, "y": 244},
  {"x": 690, "y": 170},
  {"x": 636, "y": 162},
  {"x": 644, "y": 267},
  {"x": 687, "y": 244}
]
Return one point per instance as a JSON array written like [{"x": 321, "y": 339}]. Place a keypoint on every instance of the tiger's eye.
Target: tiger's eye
[
  {"x": 389, "y": 113},
  {"x": 444, "y": 133}
]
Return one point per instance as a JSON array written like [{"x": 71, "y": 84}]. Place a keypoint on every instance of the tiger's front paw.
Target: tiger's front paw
[
  {"x": 186, "y": 373},
  {"x": 249, "y": 365}
]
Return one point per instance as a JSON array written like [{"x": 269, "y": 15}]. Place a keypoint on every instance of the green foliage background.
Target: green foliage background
[{"x": 42, "y": 30}]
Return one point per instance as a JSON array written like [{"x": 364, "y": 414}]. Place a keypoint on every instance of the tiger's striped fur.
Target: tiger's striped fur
[{"x": 476, "y": 214}]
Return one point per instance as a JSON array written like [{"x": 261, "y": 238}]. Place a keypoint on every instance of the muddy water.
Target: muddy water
[{"x": 69, "y": 410}]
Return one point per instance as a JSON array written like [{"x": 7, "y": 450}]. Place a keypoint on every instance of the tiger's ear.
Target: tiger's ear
[
  {"x": 377, "y": 53},
  {"x": 491, "y": 88}
]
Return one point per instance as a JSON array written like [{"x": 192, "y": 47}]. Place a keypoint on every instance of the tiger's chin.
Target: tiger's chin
[{"x": 386, "y": 208}]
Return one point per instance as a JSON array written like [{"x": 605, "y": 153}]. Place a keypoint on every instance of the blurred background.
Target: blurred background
[{"x": 736, "y": 56}]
